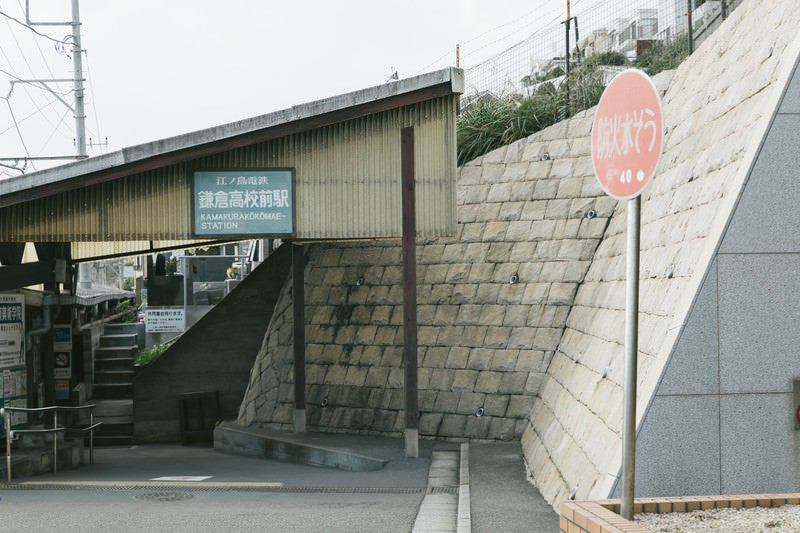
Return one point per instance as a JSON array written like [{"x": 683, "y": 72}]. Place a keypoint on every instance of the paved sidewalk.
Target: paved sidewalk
[
  {"x": 497, "y": 498},
  {"x": 502, "y": 499}
]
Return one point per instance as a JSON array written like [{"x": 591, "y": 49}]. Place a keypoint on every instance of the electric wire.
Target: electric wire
[
  {"x": 94, "y": 108},
  {"x": 469, "y": 41},
  {"x": 41, "y": 53},
  {"x": 29, "y": 115},
  {"x": 10, "y": 63},
  {"x": 12, "y": 167},
  {"x": 29, "y": 82},
  {"x": 40, "y": 109},
  {"x": 37, "y": 32},
  {"x": 52, "y": 133},
  {"x": 16, "y": 125},
  {"x": 30, "y": 69},
  {"x": 468, "y": 52},
  {"x": 540, "y": 29},
  {"x": 22, "y": 52},
  {"x": 9, "y": 74},
  {"x": 37, "y": 107}
]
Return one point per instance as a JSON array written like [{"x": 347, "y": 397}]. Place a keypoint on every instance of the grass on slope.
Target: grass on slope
[{"x": 491, "y": 123}]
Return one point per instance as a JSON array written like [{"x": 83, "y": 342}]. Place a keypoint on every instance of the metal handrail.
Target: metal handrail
[{"x": 5, "y": 412}]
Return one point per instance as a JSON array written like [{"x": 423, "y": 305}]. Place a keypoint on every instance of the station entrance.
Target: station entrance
[{"x": 374, "y": 164}]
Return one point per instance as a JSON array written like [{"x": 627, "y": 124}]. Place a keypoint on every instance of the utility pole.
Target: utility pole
[
  {"x": 77, "y": 68},
  {"x": 77, "y": 107},
  {"x": 84, "y": 272},
  {"x": 77, "y": 79}
]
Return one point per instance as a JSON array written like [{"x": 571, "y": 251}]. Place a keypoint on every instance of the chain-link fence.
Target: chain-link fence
[{"x": 625, "y": 28}]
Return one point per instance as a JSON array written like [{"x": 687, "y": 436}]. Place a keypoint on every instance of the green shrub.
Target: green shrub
[
  {"x": 129, "y": 312},
  {"x": 663, "y": 56},
  {"x": 148, "y": 355},
  {"x": 606, "y": 58}
]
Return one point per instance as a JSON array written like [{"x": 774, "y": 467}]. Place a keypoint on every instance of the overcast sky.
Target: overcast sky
[{"x": 158, "y": 68}]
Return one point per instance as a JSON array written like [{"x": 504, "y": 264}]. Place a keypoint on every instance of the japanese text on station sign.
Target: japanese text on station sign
[{"x": 244, "y": 202}]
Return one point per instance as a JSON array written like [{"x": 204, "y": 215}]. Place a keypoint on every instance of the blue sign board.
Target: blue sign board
[{"x": 243, "y": 202}]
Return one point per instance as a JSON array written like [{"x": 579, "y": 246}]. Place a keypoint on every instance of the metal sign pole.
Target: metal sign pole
[
  {"x": 631, "y": 358},
  {"x": 623, "y": 171}
]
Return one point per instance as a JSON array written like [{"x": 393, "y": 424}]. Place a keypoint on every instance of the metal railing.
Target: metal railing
[{"x": 5, "y": 412}]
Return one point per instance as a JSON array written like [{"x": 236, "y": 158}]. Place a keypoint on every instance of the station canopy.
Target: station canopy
[{"x": 325, "y": 170}]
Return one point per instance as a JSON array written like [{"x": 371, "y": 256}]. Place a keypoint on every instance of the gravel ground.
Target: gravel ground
[{"x": 784, "y": 519}]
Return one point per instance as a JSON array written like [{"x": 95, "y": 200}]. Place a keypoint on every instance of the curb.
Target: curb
[
  {"x": 285, "y": 446},
  {"x": 439, "y": 509},
  {"x": 464, "y": 524}
]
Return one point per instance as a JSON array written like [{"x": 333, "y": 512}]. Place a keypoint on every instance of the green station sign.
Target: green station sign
[{"x": 243, "y": 202}]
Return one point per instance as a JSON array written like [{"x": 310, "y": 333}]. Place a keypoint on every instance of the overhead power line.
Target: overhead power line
[
  {"x": 34, "y": 30},
  {"x": 16, "y": 125}
]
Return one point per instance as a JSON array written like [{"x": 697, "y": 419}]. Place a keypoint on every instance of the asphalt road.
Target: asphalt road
[
  {"x": 120, "y": 492},
  {"x": 148, "y": 510},
  {"x": 125, "y": 490}
]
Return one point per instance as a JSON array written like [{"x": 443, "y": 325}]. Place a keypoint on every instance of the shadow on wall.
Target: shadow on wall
[{"x": 215, "y": 355}]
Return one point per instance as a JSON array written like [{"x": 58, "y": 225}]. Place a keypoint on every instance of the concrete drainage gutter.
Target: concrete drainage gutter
[
  {"x": 464, "y": 523},
  {"x": 446, "y": 505}
]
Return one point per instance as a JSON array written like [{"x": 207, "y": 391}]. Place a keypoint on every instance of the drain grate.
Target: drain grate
[
  {"x": 355, "y": 490},
  {"x": 442, "y": 490},
  {"x": 163, "y": 496}
]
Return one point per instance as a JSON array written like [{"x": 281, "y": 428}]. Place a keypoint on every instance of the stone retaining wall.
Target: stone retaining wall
[
  {"x": 543, "y": 357},
  {"x": 531, "y": 210}
]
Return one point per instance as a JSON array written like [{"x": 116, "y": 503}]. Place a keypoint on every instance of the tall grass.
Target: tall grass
[
  {"x": 664, "y": 56},
  {"x": 491, "y": 123}
]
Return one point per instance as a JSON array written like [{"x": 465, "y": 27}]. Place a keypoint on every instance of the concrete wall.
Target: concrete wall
[
  {"x": 725, "y": 404},
  {"x": 717, "y": 109},
  {"x": 216, "y": 354}
]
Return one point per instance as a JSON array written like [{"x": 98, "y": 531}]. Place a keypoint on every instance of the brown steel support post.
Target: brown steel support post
[
  {"x": 298, "y": 314},
  {"x": 409, "y": 292}
]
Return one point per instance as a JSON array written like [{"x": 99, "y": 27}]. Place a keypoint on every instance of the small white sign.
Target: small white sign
[
  {"x": 12, "y": 329},
  {"x": 164, "y": 319}
]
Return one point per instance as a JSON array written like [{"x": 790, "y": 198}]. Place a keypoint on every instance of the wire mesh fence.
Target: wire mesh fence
[{"x": 624, "y": 28}]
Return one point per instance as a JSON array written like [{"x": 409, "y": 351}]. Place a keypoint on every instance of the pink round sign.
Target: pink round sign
[{"x": 627, "y": 134}]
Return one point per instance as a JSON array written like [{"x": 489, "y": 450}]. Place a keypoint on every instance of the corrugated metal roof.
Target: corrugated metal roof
[{"x": 345, "y": 151}]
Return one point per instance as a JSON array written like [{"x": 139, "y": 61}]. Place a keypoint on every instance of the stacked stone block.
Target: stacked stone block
[{"x": 492, "y": 303}]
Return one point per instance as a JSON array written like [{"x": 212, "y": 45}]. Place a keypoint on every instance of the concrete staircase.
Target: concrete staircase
[{"x": 113, "y": 384}]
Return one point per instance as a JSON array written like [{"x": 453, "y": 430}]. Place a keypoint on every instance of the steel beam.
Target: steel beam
[
  {"x": 299, "y": 316},
  {"x": 409, "y": 292}
]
